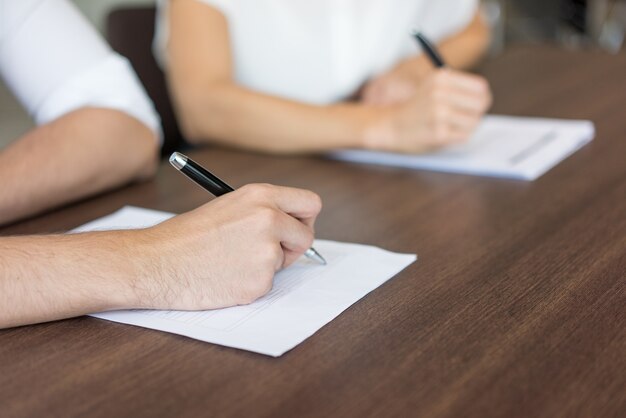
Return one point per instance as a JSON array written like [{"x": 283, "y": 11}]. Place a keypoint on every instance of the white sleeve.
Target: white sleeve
[
  {"x": 55, "y": 62},
  {"x": 444, "y": 18}
]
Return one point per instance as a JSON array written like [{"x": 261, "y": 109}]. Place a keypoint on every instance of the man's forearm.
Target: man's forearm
[
  {"x": 221, "y": 254},
  {"x": 79, "y": 154},
  {"x": 43, "y": 278}
]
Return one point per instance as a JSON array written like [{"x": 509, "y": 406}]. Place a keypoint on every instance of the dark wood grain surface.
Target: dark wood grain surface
[{"x": 516, "y": 307}]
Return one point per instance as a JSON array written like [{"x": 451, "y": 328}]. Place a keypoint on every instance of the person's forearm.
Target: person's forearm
[
  {"x": 43, "y": 278},
  {"x": 79, "y": 154},
  {"x": 463, "y": 50},
  {"x": 211, "y": 106},
  {"x": 221, "y": 254},
  {"x": 230, "y": 114}
]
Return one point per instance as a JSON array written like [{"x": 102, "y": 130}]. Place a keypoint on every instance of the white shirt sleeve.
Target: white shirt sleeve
[
  {"x": 55, "y": 62},
  {"x": 444, "y": 18}
]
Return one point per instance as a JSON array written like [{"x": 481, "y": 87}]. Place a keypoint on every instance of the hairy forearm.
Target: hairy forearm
[
  {"x": 230, "y": 114},
  {"x": 43, "y": 278},
  {"x": 79, "y": 154}
]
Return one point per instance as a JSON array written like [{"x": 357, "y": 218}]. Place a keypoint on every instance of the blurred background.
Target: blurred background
[{"x": 599, "y": 24}]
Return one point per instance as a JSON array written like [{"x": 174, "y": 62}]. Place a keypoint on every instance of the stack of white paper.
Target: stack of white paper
[
  {"x": 305, "y": 296},
  {"x": 502, "y": 146}
]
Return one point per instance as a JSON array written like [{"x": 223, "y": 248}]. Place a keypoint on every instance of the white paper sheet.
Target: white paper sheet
[
  {"x": 502, "y": 146},
  {"x": 305, "y": 297}
]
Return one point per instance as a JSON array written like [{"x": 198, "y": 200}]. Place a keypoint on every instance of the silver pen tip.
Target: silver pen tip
[
  {"x": 314, "y": 255},
  {"x": 178, "y": 160}
]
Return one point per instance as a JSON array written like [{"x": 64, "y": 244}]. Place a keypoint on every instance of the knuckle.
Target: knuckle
[
  {"x": 270, "y": 255},
  {"x": 248, "y": 188},
  {"x": 257, "y": 190},
  {"x": 265, "y": 188},
  {"x": 266, "y": 217},
  {"x": 249, "y": 191},
  {"x": 274, "y": 254}
]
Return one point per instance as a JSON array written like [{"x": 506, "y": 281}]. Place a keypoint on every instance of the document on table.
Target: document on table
[
  {"x": 502, "y": 146},
  {"x": 305, "y": 296}
]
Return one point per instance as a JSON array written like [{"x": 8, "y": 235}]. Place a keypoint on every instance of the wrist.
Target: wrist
[
  {"x": 378, "y": 131},
  {"x": 133, "y": 264},
  {"x": 145, "y": 270}
]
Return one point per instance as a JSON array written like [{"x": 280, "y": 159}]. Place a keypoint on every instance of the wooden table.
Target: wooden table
[{"x": 516, "y": 307}]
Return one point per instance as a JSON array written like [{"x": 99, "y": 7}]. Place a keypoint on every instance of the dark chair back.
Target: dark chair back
[{"x": 130, "y": 32}]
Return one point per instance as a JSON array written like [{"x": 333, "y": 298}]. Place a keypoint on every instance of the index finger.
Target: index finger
[{"x": 298, "y": 203}]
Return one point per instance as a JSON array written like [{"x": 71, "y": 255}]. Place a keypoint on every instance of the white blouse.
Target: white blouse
[
  {"x": 321, "y": 51},
  {"x": 55, "y": 62}
]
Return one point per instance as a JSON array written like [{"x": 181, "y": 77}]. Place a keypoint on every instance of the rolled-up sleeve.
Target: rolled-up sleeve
[{"x": 55, "y": 63}]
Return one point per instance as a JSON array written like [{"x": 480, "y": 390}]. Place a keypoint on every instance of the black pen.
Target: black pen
[
  {"x": 214, "y": 185},
  {"x": 429, "y": 49}
]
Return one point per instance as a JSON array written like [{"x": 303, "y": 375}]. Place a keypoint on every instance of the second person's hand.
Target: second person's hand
[{"x": 445, "y": 109}]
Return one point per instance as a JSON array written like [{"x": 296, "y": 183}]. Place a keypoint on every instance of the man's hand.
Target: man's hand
[
  {"x": 222, "y": 254},
  {"x": 226, "y": 252}
]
